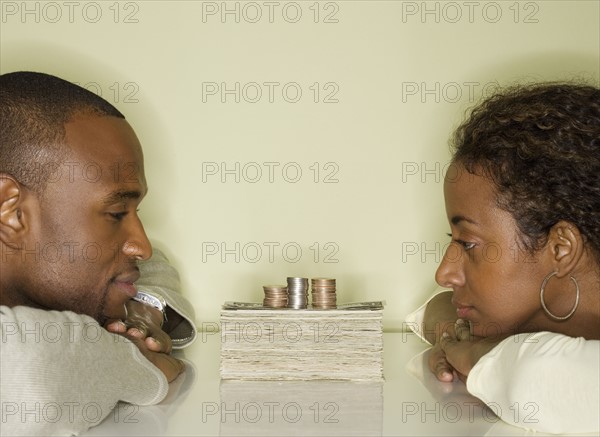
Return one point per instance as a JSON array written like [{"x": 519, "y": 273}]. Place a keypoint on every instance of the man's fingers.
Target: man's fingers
[
  {"x": 159, "y": 344},
  {"x": 159, "y": 341},
  {"x": 154, "y": 337},
  {"x": 138, "y": 332},
  {"x": 153, "y": 344},
  {"x": 180, "y": 365},
  {"x": 116, "y": 326},
  {"x": 170, "y": 366}
]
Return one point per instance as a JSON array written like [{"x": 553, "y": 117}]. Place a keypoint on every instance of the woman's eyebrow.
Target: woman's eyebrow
[{"x": 455, "y": 220}]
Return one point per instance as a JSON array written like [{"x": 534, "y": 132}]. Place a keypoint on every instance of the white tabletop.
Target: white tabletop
[{"x": 409, "y": 402}]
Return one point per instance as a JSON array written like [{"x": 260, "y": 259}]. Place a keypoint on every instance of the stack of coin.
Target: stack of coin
[
  {"x": 297, "y": 292},
  {"x": 323, "y": 293},
  {"x": 275, "y": 296}
]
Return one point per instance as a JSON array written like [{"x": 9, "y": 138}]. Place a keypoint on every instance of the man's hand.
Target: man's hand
[
  {"x": 143, "y": 328},
  {"x": 143, "y": 323},
  {"x": 170, "y": 366}
]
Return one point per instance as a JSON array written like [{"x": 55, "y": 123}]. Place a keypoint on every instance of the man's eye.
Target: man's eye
[{"x": 118, "y": 215}]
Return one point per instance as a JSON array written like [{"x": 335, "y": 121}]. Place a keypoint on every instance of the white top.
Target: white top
[{"x": 543, "y": 381}]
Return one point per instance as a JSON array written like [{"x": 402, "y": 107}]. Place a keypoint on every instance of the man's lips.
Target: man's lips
[{"x": 125, "y": 282}]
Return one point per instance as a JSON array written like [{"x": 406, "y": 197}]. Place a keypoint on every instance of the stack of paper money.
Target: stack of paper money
[{"x": 260, "y": 343}]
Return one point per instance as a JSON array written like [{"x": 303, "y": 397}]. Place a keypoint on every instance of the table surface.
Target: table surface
[{"x": 409, "y": 402}]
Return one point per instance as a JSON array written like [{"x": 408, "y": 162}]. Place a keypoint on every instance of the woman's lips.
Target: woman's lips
[{"x": 462, "y": 311}]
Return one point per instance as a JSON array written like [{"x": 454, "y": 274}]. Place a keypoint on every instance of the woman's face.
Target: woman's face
[{"x": 495, "y": 283}]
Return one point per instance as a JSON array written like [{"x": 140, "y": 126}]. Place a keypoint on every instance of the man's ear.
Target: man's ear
[
  {"x": 566, "y": 246},
  {"x": 12, "y": 218}
]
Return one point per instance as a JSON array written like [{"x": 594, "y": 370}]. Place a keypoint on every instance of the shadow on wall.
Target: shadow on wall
[{"x": 118, "y": 88}]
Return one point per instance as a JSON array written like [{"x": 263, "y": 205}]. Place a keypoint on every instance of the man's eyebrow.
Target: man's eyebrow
[
  {"x": 461, "y": 218},
  {"x": 120, "y": 196}
]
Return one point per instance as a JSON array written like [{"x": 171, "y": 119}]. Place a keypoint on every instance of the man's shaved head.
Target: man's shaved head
[{"x": 34, "y": 108}]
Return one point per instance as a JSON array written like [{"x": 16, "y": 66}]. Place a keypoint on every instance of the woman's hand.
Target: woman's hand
[
  {"x": 440, "y": 316},
  {"x": 455, "y": 350},
  {"x": 462, "y": 355},
  {"x": 438, "y": 362},
  {"x": 439, "y": 365}
]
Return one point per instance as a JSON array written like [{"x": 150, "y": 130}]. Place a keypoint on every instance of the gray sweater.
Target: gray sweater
[{"x": 61, "y": 372}]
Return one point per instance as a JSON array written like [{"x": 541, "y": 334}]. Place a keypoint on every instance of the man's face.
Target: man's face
[{"x": 88, "y": 236}]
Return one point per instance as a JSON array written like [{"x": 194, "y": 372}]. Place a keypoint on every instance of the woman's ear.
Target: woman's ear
[
  {"x": 12, "y": 217},
  {"x": 566, "y": 245}
]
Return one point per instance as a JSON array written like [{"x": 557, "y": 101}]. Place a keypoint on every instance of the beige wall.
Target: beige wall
[{"x": 382, "y": 85}]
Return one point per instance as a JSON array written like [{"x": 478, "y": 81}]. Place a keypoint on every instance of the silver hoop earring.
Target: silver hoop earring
[{"x": 546, "y": 310}]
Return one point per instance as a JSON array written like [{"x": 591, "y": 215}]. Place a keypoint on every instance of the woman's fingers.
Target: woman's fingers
[
  {"x": 438, "y": 364},
  {"x": 462, "y": 328}
]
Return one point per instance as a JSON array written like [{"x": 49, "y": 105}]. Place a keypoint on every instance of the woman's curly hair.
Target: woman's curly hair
[{"x": 540, "y": 145}]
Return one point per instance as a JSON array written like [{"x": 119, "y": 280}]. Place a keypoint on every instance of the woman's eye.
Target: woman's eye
[{"x": 465, "y": 244}]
